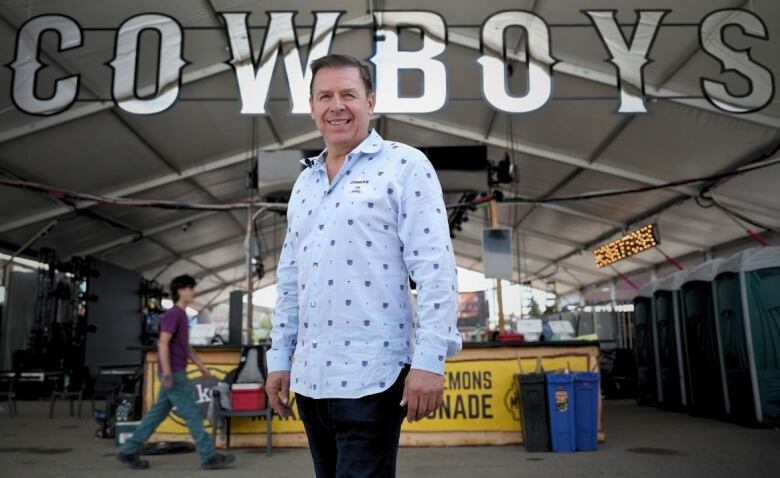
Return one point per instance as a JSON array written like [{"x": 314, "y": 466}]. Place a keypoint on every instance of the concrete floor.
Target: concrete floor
[{"x": 640, "y": 442}]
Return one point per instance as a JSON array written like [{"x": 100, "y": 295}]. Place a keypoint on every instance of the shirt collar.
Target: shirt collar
[{"x": 371, "y": 144}]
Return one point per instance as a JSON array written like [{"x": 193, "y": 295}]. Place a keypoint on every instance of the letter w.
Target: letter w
[{"x": 254, "y": 77}]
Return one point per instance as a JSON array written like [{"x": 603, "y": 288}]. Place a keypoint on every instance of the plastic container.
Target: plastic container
[
  {"x": 586, "y": 405},
  {"x": 123, "y": 431},
  {"x": 248, "y": 397},
  {"x": 531, "y": 329},
  {"x": 560, "y": 403},
  {"x": 510, "y": 338},
  {"x": 533, "y": 409}
]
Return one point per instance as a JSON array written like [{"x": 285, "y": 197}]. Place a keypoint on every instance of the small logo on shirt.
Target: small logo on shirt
[{"x": 356, "y": 186}]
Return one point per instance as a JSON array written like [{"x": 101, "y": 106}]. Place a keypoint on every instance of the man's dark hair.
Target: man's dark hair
[
  {"x": 341, "y": 61},
  {"x": 181, "y": 282}
]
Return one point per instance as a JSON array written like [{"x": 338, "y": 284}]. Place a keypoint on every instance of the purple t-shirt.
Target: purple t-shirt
[{"x": 175, "y": 322}]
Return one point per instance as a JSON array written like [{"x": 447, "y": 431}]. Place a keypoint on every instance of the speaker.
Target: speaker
[{"x": 235, "y": 316}]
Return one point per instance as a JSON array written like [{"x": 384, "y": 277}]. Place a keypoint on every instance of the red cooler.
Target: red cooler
[{"x": 248, "y": 397}]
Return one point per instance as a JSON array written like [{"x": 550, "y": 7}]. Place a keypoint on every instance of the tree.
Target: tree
[{"x": 535, "y": 311}]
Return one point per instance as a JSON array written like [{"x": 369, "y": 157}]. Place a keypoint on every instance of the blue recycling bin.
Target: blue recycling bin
[
  {"x": 586, "y": 405},
  {"x": 560, "y": 400}
]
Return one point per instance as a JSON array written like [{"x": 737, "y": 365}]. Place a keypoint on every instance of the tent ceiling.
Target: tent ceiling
[{"x": 197, "y": 150}]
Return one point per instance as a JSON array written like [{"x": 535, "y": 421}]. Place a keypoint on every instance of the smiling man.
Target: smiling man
[{"x": 362, "y": 218}]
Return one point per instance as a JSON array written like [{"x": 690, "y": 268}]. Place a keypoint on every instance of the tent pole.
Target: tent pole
[
  {"x": 249, "y": 286},
  {"x": 499, "y": 296},
  {"x": 749, "y": 342},
  {"x": 719, "y": 339}
]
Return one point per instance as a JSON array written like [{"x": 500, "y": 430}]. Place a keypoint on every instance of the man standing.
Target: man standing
[
  {"x": 364, "y": 216},
  {"x": 173, "y": 350}
]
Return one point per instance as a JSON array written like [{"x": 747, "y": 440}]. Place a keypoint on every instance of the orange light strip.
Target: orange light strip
[{"x": 634, "y": 242}]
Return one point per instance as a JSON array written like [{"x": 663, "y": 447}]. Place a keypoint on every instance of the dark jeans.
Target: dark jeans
[{"x": 355, "y": 438}]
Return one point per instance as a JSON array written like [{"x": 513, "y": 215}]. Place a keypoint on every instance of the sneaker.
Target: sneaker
[
  {"x": 218, "y": 461},
  {"x": 133, "y": 461}
]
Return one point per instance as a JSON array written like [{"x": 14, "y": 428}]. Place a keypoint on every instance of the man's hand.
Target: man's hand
[
  {"x": 423, "y": 393},
  {"x": 278, "y": 388},
  {"x": 205, "y": 372},
  {"x": 167, "y": 381}
]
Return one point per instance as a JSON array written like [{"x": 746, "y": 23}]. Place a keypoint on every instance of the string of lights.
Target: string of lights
[{"x": 634, "y": 242}]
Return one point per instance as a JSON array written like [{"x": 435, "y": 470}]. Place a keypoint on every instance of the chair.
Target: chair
[
  {"x": 69, "y": 390},
  {"x": 221, "y": 420},
  {"x": 7, "y": 384},
  {"x": 112, "y": 380}
]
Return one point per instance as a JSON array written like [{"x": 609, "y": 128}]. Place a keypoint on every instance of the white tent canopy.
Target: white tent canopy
[{"x": 197, "y": 151}]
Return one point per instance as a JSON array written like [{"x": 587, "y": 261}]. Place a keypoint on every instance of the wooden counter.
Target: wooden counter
[{"x": 481, "y": 396}]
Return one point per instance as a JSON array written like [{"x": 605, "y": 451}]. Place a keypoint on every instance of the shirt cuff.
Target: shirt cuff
[
  {"x": 429, "y": 359},
  {"x": 278, "y": 360}
]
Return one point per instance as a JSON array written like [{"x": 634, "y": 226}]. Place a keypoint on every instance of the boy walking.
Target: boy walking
[{"x": 173, "y": 352}]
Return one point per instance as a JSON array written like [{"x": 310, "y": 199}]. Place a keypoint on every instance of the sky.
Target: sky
[{"x": 468, "y": 281}]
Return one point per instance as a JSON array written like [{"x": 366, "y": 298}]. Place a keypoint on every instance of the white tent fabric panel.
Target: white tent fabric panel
[
  {"x": 705, "y": 272},
  {"x": 565, "y": 225},
  {"x": 618, "y": 208},
  {"x": 59, "y": 155},
  {"x": 653, "y": 144},
  {"x": 672, "y": 282},
  {"x": 68, "y": 237},
  {"x": 197, "y": 151},
  {"x": 135, "y": 254},
  {"x": 752, "y": 260}
]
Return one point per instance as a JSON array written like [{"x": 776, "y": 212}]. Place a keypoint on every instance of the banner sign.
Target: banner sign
[
  {"x": 253, "y": 66},
  {"x": 472, "y": 310},
  {"x": 479, "y": 395}
]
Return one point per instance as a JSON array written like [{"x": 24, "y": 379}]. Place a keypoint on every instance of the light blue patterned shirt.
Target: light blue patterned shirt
[{"x": 345, "y": 322}]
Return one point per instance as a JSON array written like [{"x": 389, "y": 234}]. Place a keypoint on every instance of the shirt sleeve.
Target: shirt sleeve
[
  {"x": 424, "y": 230},
  {"x": 284, "y": 320}
]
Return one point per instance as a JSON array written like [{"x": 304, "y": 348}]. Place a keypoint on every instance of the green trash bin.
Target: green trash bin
[{"x": 757, "y": 286}]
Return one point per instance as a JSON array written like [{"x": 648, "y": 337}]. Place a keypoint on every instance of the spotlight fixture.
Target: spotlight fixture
[{"x": 501, "y": 173}]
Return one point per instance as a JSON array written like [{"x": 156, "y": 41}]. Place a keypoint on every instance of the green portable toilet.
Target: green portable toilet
[
  {"x": 644, "y": 345},
  {"x": 667, "y": 325},
  {"x": 748, "y": 304},
  {"x": 702, "y": 344}
]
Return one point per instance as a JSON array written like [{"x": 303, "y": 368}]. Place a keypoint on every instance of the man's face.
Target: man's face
[
  {"x": 340, "y": 106},
  {"x": 187, "y": 294}
]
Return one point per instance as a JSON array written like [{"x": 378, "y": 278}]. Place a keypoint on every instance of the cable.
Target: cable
[
  {"x": 620, "y": 192},
  {"x": 61, "y": 194},
  {"x": 65, "y": 194},
  {"x": 735, "y": 214}
]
